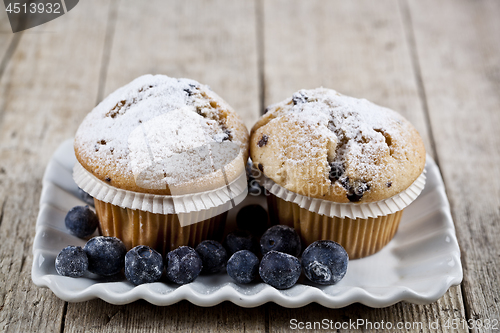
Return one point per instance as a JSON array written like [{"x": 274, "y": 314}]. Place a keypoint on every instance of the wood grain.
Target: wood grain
[
  {"x": 8, "y": 41},
  {"x": 48, "y": 85},
  {"x": 458, "y": 46},
  {"x": 360, "y": 318},
  {"x": 435, "y": 62},
  {"x": 213, "y": 42},
  {"x": 98, "y": 316},
  {"x": 357, "y": 48},
  {"x": 360, "y": 49}
]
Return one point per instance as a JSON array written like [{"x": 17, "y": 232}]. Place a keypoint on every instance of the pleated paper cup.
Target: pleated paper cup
[
  {"x": 361, "y": 228},
  {"x": 163, "y": 222}
]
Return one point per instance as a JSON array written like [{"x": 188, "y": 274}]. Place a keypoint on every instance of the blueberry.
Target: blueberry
[
  {"x": 355, "y": 190},
  {"x": 243, "y": 266},
  {"x": 263, "y": 141},
  {"x": 87, "y": 198},
  {"x": 143, "y": 265},
  {"x": 81, "y": 221},
  {"x": 213, "y": 256},
  {"x": 336, "y": 171},
  {"x": 71, "y": 261},
  {"x": 106, "y": 255},
  {"x": 281, "y": 238},
  {"x": 299, "y": 98},
  {"x": 279, "y": 269},
  {"x": 239, "y": 240},
  {"x": 183, "y": 265},
  {"x": 252, "y": 218},
  {"x": 325, "y": 262}
]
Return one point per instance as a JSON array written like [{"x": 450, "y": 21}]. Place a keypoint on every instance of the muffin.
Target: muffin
[
  {"x": 338, "y": 168},
  {"x": 164, "y": 159}
]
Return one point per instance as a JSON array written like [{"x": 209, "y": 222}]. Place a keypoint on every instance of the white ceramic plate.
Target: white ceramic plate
[{"x": 418, "y": 265}]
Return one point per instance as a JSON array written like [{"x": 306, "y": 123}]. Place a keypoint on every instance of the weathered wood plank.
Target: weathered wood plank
[
  {"x": 458, "y": 46},
  {"x": 8, "y": 40},
  {"x": 48, "y": 86},
  {"x": 403, "y": 317},
  {"x": 356, "y": 48},
  {"x": 359, "y": 49},
  {"x": 98, "y": 316},
  {"x": 213, "y": 42}
]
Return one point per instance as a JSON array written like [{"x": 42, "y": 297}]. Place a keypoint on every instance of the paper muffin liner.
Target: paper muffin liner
[
  {"x": 360, "y": 237},
  {"x": 159, "y": 231},
  {"x": 348, "y": 210},
  {"x": 362, "y": 229},
  {"x": 189, "y": 208}
]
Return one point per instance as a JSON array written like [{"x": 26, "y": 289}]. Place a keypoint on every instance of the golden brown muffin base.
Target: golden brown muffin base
[
  {"x": 359, "y": 237},
  {"x": 161, "y": 232}
]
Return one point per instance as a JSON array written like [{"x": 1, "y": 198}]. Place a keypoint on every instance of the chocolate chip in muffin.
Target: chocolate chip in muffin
[
  {"x": 299, "y": 98},
  {"x": 263, "y": 141},
  {"x": 108, "y": 179},
  {"x": 261, "y": 167},
  {"x": 336, "y": 171},
  {"x": 389, "y": 184}
]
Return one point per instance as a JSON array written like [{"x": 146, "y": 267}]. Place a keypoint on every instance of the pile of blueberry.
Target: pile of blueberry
[{"x": 275, "y": 257}]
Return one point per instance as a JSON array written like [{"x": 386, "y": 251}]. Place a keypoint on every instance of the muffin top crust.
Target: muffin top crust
[
  {"x": 325, "y": 145},
  {"x": 158, "y": 135}
]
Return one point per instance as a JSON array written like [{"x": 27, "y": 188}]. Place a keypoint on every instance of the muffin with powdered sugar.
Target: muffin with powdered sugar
[
  {"x": 157, "y": 155},
  {"x": 337, "y": 166}
]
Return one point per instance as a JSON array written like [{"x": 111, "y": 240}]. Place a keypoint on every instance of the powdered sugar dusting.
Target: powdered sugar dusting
[
  {"x": 358, "y": 130},
  {"x": 361, "y": 143},
  {"x": 148, "y": 120}
]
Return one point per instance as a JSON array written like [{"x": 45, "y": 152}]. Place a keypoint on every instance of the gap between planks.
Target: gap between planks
[
  {"x": 106, "y": 53},
  {"x": 412, "y": 47}
]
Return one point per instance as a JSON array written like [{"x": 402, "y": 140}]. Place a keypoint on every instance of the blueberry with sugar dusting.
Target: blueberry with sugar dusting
[
  {"x": 279, "y": 269},
  {"x": 243, "y": 266},
  {"x": 71, "y": 261},
  {"x": 281, "y": 238},
  {"x": 355, "y": 190},
  {"x": 183, "y": 265},
  {"x": 81, "y": 221},
  {"x": 336, "y": 171},
  {"x": 143, "y": 265},
  {"x": 299, "y": 98},
  {"x": 252, "y": 218},
  {"x": 239, "y": 240},
  {"x": 355, "y": 193},
  {"x": 87, "y": 198},
  {"x": 106, "y": 255},
  {"x": 325, "y": 262},
  {"x": 213, "y": 256}
]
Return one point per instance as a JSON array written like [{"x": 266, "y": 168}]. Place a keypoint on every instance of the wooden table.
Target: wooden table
[{"x": 437, "y": 62}]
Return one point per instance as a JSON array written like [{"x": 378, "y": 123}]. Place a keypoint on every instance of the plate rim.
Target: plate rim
[{"x": 228, "y": 292}]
